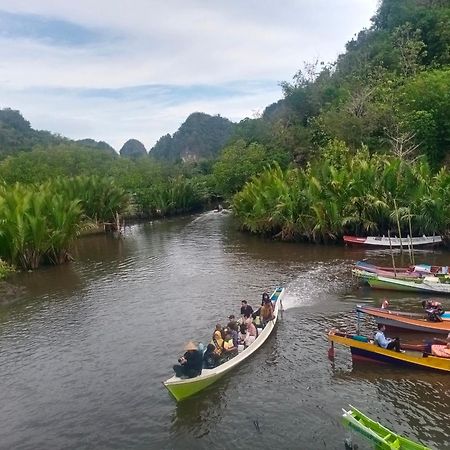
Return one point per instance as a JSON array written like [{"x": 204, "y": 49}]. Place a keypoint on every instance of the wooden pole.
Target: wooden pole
[
  {"x": 392, "y": 253},
  {"x": 398, "y": 226},
  {"x": 411, "y": 242}
]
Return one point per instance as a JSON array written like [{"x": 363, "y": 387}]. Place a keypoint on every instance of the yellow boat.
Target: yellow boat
[
  {"x": 363, "y": 348},
  {"x": 182, "y": 388}
]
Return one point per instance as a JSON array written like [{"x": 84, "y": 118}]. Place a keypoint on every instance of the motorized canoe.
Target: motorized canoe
[
  {"x": 394, "y": 242},
  {"x": 365, "y": 276},
  {"x": 363, "y": 348},
  {"x": 407, "y": 321},
  {"x": 182, "y": 388},
  {"x": 427, "y": 285},
  {"x": 413, "y": 270},
  {"x": 382, "y": 437}
]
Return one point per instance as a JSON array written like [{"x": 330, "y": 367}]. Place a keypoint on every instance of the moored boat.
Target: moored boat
[
  {"x": 363, "y": 348},
  {"x": 395, "y": 242},
  {"x": 382, "y": 437},
  {"x": 182, "y": 388},
  {"x": 427, "y": 285},
  {"x": 414, "y": 270},
  {"x": 407, "y": 321},
  {"x": 411, "y": 272}
]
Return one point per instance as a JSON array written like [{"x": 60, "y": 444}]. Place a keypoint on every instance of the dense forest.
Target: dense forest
[{"x": 352, "y": 147}]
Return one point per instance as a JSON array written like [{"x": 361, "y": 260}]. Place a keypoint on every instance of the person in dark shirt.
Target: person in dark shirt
[
  {"x": 210, "y": 358},
  {"x": 190, "y": 364},
  {"x": 246, "y": 309}
]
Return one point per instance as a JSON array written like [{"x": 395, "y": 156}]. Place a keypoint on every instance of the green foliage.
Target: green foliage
[
  {"x": 238, "y": 163},
  {"x": 5, "y": 269},
  {"x": 39, "y": 222},
  {"x": 425, "y": 104},
  {"x": 345, "y": 194},
  {"x": 176, "y": 196},
  {"x": 36, "y": 224}
]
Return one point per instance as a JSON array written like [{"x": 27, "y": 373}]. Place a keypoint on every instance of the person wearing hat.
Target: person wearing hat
[
  {"x": 232, "y": 321},
  {"x": 191, "y": 363}
]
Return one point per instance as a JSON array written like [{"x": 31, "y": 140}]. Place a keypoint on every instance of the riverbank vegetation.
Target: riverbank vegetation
[
  {"x": 38, "y": 223},
  {"x": 345, "y": 193},
  {"x": 349, "y": 147}
]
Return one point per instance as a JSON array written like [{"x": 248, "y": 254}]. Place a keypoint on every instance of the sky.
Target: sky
[{"x": 114, "y": 70}]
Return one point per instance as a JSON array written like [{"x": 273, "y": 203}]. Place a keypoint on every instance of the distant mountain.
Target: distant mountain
[
  {"x": 133, "y": 149},
  {"x": 201, "y": 136},
  {"x": 101, "y": 145},
  {"x": 16, "y": 135}
]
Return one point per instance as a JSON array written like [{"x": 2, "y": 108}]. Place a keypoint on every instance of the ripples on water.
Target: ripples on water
[{"x": 82, "y": 356}]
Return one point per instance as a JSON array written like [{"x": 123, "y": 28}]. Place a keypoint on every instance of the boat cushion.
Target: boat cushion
[{"x": 440, "y": 350}]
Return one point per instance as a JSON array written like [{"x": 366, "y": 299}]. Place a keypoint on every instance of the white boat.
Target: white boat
[
  {"x": 395, "y": 242},
  {"x": 182, "y": 388}
]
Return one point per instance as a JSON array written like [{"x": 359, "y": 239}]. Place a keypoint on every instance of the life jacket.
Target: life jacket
[{"x": 217, "y": 341}]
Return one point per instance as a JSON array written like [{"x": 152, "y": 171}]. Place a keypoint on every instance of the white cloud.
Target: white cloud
[{"x": 189, "y": 42}]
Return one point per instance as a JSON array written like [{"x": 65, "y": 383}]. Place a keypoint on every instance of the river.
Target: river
[{"x": 84, "y": 351}]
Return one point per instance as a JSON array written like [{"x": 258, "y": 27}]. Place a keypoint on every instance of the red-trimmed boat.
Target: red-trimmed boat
[{"x": 395, "y": 242}]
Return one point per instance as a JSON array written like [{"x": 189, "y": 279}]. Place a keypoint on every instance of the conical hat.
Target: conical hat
[{"x": 190, "y": 346}]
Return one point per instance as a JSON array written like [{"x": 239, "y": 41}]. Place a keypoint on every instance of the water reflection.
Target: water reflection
[{"x": 83, "y": 355}]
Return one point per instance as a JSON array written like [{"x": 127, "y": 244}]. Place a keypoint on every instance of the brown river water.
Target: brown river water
[{"x": 84, "y": 351}]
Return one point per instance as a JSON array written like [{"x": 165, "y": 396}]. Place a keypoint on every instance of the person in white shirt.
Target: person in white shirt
[{"x": 385, "y": 342}]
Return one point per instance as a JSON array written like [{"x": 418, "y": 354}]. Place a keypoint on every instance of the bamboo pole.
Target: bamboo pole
[
  {"x": 410, "y": 237},
  {"x": 392, "y": 254},
  {"x": 398, "y": 226}
]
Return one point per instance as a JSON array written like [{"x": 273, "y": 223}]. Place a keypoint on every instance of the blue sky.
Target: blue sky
[{"x": 115, "y": 70}]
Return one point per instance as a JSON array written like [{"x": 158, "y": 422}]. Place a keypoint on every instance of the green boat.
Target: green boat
[
  {"x": 380, "y": 436},
  {"x": 182, "y": 388},
  {"x": 427, "y": 285}
]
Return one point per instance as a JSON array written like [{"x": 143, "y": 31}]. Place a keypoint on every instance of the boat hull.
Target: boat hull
[
  {"x": 184, "y": 388},
  {"x": 394, "y": 242},
  {"x": 383, "y": 437},
  {"x": 421, "y": 286},
  {"x": 395, "y": 319},
  {"x": 368, "y": 351}
]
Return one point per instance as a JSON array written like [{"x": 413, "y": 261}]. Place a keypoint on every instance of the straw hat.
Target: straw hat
[{"x": 190, "y": 346}]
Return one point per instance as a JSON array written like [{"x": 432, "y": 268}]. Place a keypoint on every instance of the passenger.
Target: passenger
[
  {"x": 217, "y": 340},
  {"x": 384, "y": 342},
  {"x": 242, "y": 333},
  {"x": 210, "y": 358},
  {"x": 252, "y": 331},
  {"x": 232, "y": 321},
  {"x": 190, "y": 364},
  {"x": 266, "y": 312},
  {"x": 265, "y": 298},
  {"x": 233, "y": 330},
  {"x": 433, "y": 309},
  {"x": 229, "y": 350},
  {"x": 246, "y": 309}
]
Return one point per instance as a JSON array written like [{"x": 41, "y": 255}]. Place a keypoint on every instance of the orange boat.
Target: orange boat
[{"x": 407, "y": 321}]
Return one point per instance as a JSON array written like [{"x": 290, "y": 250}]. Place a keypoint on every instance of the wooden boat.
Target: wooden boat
[
  {"x": 381, "y": 436},
  {"x": 365, "y": 276},
  {"x": 427, "y": 285},
  {"x": 182, "y": 388},
  {"x": 407, "y": 321},
  {"x": 363, "y": 348},
  {"x": 395, "y": 242},
  {"x": 414, "y": 271}
]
